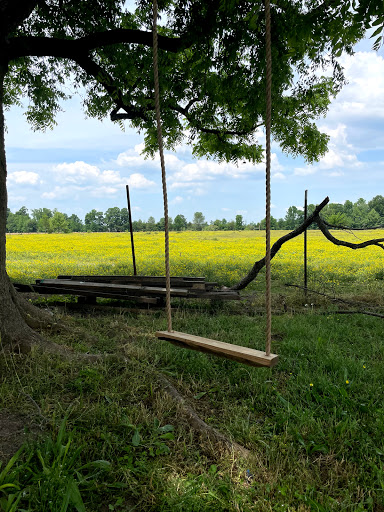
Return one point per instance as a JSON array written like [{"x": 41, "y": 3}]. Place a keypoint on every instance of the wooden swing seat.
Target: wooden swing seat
[{"x": 240, "y": 354}]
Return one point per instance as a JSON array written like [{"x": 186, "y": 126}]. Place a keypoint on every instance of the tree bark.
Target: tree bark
[{"x": 16, "y": 315}]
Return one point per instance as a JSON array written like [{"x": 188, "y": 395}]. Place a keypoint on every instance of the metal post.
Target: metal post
[
  {"x": 305, "y": 243},
  {"x": 131, "y": 231}
]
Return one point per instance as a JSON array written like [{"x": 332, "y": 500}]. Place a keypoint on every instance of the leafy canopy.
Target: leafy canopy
[{"x": 212, "y": 67}]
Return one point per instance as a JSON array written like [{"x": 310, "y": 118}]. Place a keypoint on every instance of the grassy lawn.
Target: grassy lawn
[{"x": 106, "y": 436}]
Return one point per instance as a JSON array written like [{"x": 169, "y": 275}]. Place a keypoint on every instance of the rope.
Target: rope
[
  {"x": 163, "y": 174},
  {"x": 268, "y": 178}
]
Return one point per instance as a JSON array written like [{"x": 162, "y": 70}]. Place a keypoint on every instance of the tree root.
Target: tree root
[{"x": 196, "y": 422}]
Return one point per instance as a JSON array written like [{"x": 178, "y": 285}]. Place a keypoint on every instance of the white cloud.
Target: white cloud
[
  {"x": 304, "y": 171},
  {"x": 110, "y": 177},
  {"x": 16, "y": 199},
  {"x": 79, "y": 177},
  {"x": 53, "y": 194},
  {"x": 194, "y": 176},
  {"x": 177, "y": 200},
  {"x": 278, "y": 176},
  {"x": 24, "y": 178},
  {"x": 77, "y": 172},
  {"x": 104, "y": 191},
  {"x": 137, "y": 180},
  {"x": 365, "y": 90},
  {"x": 134, "y": 158}
]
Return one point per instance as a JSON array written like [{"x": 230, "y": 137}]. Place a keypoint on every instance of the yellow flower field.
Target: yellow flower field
[{"x": 223, "y": 256}]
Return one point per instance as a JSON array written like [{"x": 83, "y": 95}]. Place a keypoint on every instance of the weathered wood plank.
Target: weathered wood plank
[
  {"x": 135, "y": 279},
  {"x": 52, "y": 290},
  {"x": 244, "y": 355},
  {"x": 106, "y": 287}
]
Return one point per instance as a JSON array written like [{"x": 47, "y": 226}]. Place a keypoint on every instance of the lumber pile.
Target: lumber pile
[{"x": 144, "y": 289}]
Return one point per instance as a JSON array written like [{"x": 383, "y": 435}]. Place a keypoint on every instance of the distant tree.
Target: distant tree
[
  {"x": 359, "y": 213},
  {"x": 338, "y": 219},
  {"x": 124, "y": 219},
  {"x": 224, "y": 224},
  {"x": 212, "y": 226},
  {"x": 75, "y": 223},
  {"x": 274, "y": 223},
  {"x": 180, "y": 223},
  {"x": 160, "y": 226},
  {"x": 198, "y": 221},
  {"x": 347, "y": 208},
  {"x": 151, "y": 224},
  {"x": 94, "y": 221},
  {"x": 138, "y": 225},
  {"x": 37, "y": 213},
  {"x": 293, "y": 218},
  {"x": 20, "y": 222},
  {"x": 44, "y": 223},
  {"x": 113, "y": 220},
  {"x": 377, "y": 204},
  {"x": 239, "y": 223},
  {"x": 231, "y": 225},
  {"x": 59, "y": 222},
  {"x": 216, "y": 225},
  {"x": 373, "y": 219}
]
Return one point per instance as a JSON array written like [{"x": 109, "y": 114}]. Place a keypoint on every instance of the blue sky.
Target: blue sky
[{"x": 84, "y": 164}]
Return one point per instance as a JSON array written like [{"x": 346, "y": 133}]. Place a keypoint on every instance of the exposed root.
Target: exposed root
[{"x": 196, "y": 422}]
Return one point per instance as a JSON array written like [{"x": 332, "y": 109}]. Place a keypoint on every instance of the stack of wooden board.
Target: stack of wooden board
[{"x": 147, "y": 289}]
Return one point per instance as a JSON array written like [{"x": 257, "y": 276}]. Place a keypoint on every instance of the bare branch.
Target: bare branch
[
  {"x": 277, "y": 246},
  {"x": 313, "y": 218},
  {"x": 319, "y": 221}
]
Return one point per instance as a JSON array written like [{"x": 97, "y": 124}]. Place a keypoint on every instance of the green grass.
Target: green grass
[{"x": 314, "y": 424}]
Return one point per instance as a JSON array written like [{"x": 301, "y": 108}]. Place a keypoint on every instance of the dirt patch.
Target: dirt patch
[{"x": 15, "y": 428}]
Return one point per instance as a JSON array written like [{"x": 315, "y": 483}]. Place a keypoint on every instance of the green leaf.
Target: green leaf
[
  {"x": 200, "y": 395},
  {"x": 75, "y": 496},
  {"x": 136, "y": 438},
  {"x": 169, "y": 435},
  {"x": 8, "y": 467},
  {"x": 377, "y": 31},
  {"x": 167, "y": 428}
]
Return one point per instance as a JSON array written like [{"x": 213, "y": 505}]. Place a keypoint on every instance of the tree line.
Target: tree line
[{"x": 361, "y": 214}]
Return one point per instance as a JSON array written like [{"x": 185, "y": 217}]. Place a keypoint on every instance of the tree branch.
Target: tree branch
[
  {"x": 68, "y": 48},
  {"x": 106, "y": 80},
  {"x": 313, "y": 218},
  {"x": 277, "y": 246},
  {"x": 319, "y": 221}
]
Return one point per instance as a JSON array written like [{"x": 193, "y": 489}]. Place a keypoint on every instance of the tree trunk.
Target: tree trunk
[{"x": 15, "y": 313}]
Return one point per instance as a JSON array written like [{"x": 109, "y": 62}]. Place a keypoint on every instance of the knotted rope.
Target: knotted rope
[
  {"x": 268, "y": 178},
  {"x": 163, "y": 174}
]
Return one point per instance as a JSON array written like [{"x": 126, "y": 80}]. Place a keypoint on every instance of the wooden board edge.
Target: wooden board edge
[{"x": 199, "y": 345}]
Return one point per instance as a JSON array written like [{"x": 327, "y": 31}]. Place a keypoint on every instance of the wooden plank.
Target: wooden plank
[
  {"x": 53, "y": 290},
  {"x": 177, "y": 280},
  {"x": 106, "y": 287},
  {"x": 244, "y": 355}
]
